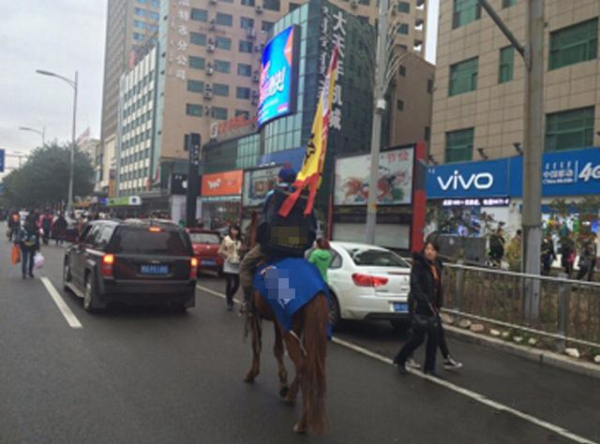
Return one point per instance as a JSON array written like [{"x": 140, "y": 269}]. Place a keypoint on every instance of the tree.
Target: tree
[{"x": 44, "y": 179}]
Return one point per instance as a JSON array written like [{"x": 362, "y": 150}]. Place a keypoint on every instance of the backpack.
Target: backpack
[
  {"x": 287, "y": 236},
  {"x": 29, "y": 239}
]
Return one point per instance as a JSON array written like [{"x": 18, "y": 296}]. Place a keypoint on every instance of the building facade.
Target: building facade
[{"x": 478, "y": 108}]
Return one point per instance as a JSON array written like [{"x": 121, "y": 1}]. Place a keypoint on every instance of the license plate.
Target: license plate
[
  {"x": 400, "y": 307},
  {"x": 154, "y": 270},
  {"x": 208, "y": 262}
]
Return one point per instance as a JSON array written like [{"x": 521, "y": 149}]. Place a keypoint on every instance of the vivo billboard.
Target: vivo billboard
[
  {"x": 565, "y": 173},
  {"x": 279, "y": 76}
]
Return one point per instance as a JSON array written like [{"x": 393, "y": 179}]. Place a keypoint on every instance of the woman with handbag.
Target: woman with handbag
[
  {"x": 426, "y": 298},
  {"x": 230, "y": 251}
]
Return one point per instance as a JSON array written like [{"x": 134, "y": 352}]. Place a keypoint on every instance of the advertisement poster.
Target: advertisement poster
[
  {"x": 279, "y": 76},
  {"x": 257, "y": 183},
  {"x": 222, "y": 184},
  {"x": 394, "y": 185}
]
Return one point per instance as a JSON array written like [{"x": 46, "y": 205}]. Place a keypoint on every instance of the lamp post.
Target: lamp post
[
  {"x": 73, "y": 84},
  {"x": 41, "y": 132}
]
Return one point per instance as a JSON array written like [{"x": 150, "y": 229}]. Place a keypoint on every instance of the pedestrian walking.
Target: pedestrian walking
[
  {"x": 567, "y": 251},
  {"x": 14, "y": 225},
  {"x": 46, "y": 225},
  {"x": 548, "y": 254},
  {"x": 29, "y": 242},
  {"x": 321, "y": 256},
  {"x": 426, "y": 297},
  {"x": 230, "y": 251},
  {"x": 59, "y": 229},
  {"x": 497, "y": 242},
  {"x": 587, "y": 260}
]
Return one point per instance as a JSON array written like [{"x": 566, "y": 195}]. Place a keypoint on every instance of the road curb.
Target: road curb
[{"x": 543, "y": 357}]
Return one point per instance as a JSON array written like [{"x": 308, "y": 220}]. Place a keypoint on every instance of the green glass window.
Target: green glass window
[
  {"x": 465, "y": 12},
  {"x": 508, "y": 3},
  {"x": 570, "y": 129},
  {"x": 246, "y": 46},
  {"x": 197, "y": 38},
  {"x": 200, "y": 15},
  {"x": 224, "y": 43},
  {"x": 224, "y": 19},
  {"x": 197, "y": 62},
  {"x": 195, "y": 86},
  {"x": 459, "y": 145},
  {"x": 266, "y": 26},
  {"x": 193, "y": 110},
  {"x": 248, "y": 3},
  {"x": 242, "y": 93},
  {"x": 239, "y": 112},
  {"x": 272, "y": 5},
  {"x": 403, "y": 29},
  {"x": 221, "y": 90},
  {"x": 575, "y": 44},
  {"x": 404, "y": 7},
  {"x": 218, "y": 113},
  {"x": 247, "y": 23},
  {"x": 244, "y": 70},
  {"x": 222, "y": 66},
  {"x": 463, "y": 76},
  {"x": 507, "y": 64}
]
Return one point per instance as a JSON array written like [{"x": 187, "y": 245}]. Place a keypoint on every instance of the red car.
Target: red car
[{"x": 206, "y": 249}]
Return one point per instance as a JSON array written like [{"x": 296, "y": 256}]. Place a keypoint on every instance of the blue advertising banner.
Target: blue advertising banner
[
  {"x": 2, "y": 157},
  {"x": 566, "y": 173},
  {"x": 279, "y": 76},
  {"x": 474, "y": 179}
]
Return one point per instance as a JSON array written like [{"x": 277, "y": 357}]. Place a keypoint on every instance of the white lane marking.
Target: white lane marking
[
  {"x": 455, "y": 388},
  {"x": 61, "y": 304}
]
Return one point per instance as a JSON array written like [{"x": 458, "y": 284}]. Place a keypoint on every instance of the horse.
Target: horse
[{"x": 306, "y": 344}]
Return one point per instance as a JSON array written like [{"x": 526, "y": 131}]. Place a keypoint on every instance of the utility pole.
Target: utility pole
[
  {"x": 533, "y": 54},
  {"x": 379, "y": 91}
]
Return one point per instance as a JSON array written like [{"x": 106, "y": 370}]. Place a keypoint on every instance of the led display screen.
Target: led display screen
[{"x": 279, "y": 76}]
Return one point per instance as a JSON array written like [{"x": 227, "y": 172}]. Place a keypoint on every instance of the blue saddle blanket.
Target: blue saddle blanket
[{"x": 288, "y": 285}]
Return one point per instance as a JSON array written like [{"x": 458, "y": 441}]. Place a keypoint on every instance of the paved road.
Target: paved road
[{"x": 152, "y": 376}]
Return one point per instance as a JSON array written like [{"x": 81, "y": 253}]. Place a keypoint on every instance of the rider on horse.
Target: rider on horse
[{"x": 263, "y": 251}]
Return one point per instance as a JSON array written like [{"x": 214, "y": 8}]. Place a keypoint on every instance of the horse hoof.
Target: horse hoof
[
  {"x": 249, "y": 379},
  {"x": 283, "y": 392},
  {"x": 299, "y": 429},
  {"x": 290, "y": 402}
]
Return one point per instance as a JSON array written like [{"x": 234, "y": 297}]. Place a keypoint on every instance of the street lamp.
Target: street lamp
[
  {"x": 72, "y": 84},
  {"x": 33, "y": 130}
]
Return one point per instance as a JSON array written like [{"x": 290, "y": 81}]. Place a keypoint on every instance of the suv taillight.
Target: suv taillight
[
  {"x": 107, "y": 265},
  {"x": 365, "y": 280},
  {"x": 193, "y": 268}
]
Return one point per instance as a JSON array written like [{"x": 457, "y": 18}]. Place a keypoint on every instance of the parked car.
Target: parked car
[
  {"x": 131, "y": 262},
  {"x": 206, "y": 249},
  {"x": 368, "y": 282}
]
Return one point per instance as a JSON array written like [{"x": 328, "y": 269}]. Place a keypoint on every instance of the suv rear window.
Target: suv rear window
[
  {"x": 205, "y": 238},
  {"x": 143, "y": 241},
  {"x": 376, "y": 258}
]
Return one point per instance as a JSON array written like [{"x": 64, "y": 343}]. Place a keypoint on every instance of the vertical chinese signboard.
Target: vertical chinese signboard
[
  {"x": 333, "y": 33},
  {"x": 178, "y": 37}
]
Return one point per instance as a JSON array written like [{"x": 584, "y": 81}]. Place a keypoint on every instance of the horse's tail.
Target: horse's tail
[{"x": 316, "y": 318}]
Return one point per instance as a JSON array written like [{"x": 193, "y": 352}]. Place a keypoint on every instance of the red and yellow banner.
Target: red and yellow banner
[{"x": 314, "y": 159}]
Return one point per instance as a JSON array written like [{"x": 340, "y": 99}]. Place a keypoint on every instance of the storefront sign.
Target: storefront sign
[
  {"x": 232, "y": 127},
  {"x": 469, "y": 180},
  {"x": 488, "y": 202},
  {"x": 134, "y": 201},
  {"x": 222, "y": 184},
  {"x": 394, "y": 184},
  {"x": 179, "y": 184},
  {"x": 257, "y": 184},
  {"x": 279, "y": 76},
  {"x": 567, "y": 173}
]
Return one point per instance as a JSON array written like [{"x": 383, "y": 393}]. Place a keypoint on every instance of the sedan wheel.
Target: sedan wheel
[
  {"x": 335, "y": 317},
  {"x": 67, "y": 275},
  {"x": 89, "y": 295}
]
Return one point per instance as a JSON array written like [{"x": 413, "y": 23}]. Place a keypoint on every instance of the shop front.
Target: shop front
[
  {"x": 468, "y": 199},
  {"x": 222, "y": 199},
  {"x": 257, "y": 184}
]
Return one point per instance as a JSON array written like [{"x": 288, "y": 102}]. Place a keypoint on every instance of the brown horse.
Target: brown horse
[{"x": 306, "y": 344}]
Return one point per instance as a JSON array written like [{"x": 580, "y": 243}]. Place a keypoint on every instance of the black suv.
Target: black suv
[{"x": 144, "y": 262}]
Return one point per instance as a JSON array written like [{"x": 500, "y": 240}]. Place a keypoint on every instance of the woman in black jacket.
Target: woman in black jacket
[{"x": 426, "y": 295}]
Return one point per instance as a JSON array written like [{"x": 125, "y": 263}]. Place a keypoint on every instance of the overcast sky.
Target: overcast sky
[{"x": 63, "y": 36}]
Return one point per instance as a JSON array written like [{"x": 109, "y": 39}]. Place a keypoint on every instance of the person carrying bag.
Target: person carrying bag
[{"x": 425, "y": 297}]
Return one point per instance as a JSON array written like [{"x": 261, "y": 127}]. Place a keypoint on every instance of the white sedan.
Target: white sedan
[{"x": 368, "y": 282}]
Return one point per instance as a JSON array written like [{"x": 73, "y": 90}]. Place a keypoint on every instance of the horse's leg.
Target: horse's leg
[
  {"x": 299, "y": 360},
  {"x": 278, "y": 351},
  {"x": 256, "y": 332}
]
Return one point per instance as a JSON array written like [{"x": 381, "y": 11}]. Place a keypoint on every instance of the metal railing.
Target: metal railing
[{"x": 569, "y": 310}]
